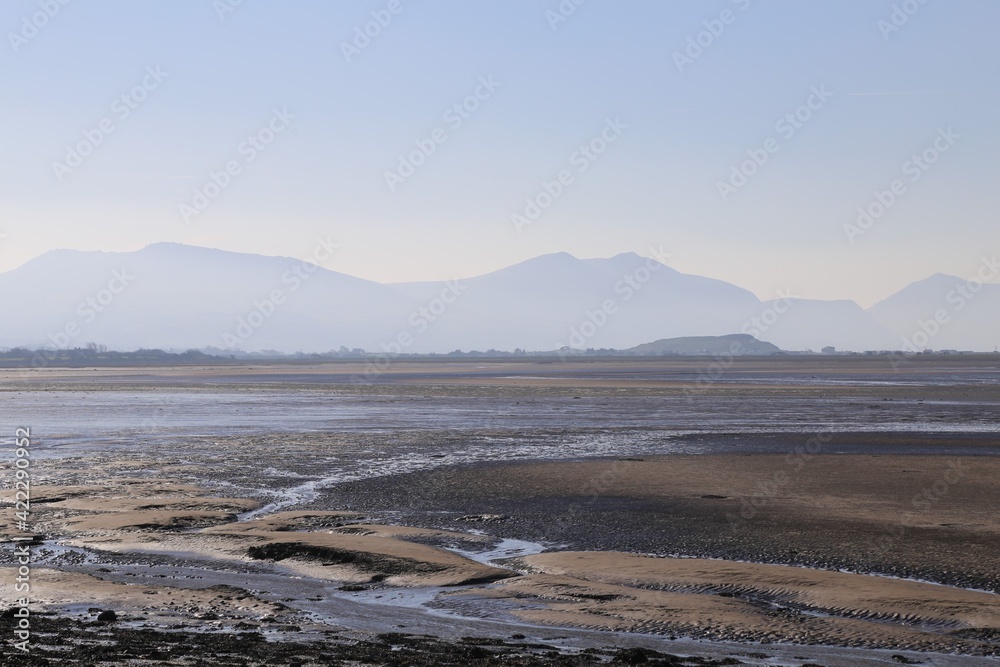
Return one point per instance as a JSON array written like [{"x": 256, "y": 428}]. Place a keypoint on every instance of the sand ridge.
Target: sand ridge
[
  {"x": 716, "y": 599},
  {"x": 161, "y": 516}
]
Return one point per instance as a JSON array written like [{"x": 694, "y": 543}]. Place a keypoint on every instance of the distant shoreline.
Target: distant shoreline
[{"x": 25, "y": 359}]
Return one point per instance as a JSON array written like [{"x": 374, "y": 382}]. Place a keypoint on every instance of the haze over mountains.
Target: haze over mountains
[{"x": 173, "y": 296}]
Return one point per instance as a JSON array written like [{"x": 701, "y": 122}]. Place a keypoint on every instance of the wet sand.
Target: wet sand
[
  {"x": 927, "y": 517},
  {"x": 498, "y": 499},
  {"x": 715, "y": 599}
]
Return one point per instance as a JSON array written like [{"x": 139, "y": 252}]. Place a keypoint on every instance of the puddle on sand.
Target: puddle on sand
[{"x": 506, "y": 548}]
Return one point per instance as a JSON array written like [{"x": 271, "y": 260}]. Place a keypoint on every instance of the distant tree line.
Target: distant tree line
[
  {"x": 94, "y": 354},
  {"x": 99, "y": 355}
]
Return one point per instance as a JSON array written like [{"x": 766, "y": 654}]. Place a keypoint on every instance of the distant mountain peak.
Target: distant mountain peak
[
  {"x": 553, "y": 257},
  {"x": 192, "y": 296},
  {"x": 162, "y": 247},
  {"x": 941, "y": 278}
]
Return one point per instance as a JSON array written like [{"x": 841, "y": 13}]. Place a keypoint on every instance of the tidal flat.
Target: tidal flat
[{"x": 763, "y": 511}]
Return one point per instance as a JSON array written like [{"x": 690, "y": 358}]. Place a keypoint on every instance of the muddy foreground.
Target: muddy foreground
[{"x": 533, "y": 522}]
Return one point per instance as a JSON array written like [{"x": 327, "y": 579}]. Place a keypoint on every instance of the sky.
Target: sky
[{"x": 444, "y": 139}]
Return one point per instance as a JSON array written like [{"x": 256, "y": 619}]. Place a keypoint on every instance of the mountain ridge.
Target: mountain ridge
[{"x": 174, "y": 295}]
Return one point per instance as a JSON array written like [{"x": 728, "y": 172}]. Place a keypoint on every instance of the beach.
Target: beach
[{"x": 833, "y": 511}]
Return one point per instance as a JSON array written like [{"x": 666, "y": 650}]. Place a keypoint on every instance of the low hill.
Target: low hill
[{"x": 734, "y": 344}]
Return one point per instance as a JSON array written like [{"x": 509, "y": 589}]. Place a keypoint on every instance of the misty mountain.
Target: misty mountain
[
  {"x": 943, "y": 312},
  {"x": 809, "y": 324},
  {"x": 173, "y": 296},
  {"x": 557, "y": 300}
]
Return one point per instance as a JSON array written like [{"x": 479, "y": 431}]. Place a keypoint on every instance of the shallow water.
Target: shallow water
[
  {"x": 60, "y": 418},
  {"x": 237, "y": 437}
]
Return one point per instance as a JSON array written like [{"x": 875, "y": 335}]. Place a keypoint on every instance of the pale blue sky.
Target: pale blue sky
[{"x": 655, "y": 186}]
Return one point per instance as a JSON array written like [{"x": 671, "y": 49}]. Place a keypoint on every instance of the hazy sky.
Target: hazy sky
[{"x": 197, "y": 85}]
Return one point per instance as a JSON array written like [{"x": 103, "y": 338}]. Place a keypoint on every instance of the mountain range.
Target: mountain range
[{"x": 174, "y": 296}]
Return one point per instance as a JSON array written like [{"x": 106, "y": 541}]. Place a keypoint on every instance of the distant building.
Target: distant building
[{"x": 829, "y": 349}]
